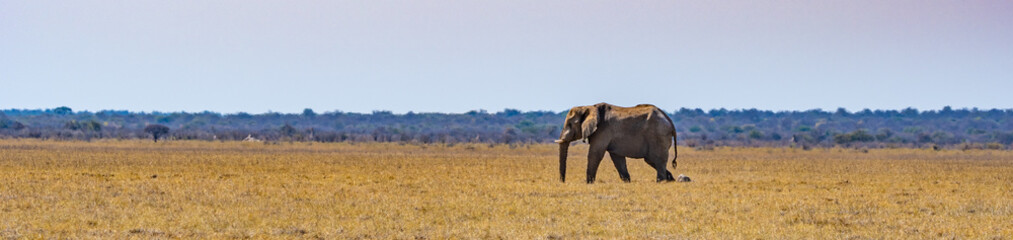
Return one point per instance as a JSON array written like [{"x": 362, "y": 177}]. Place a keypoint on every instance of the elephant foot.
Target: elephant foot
[{"x": 667, "y": 177}]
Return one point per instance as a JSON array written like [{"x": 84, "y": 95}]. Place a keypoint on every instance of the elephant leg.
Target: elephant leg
[
  {"x": 620, "y": 163},
  {"x": 658, "y": 162},
  {"x": 594, "y": 156}
]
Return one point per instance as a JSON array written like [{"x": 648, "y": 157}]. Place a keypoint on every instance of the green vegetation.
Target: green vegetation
[{"x": 953, "y": 128}]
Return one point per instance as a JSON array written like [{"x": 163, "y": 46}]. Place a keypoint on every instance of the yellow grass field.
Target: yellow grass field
[{"x": 195, "y": 189}]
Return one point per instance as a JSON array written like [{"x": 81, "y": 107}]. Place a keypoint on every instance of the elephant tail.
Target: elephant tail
[{"x": 675, "y": 147}]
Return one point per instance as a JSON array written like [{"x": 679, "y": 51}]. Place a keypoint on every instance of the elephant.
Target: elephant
[{"x": 643, "y": 131}]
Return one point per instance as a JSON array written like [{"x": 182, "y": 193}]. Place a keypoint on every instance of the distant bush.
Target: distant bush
[
  {"x": 859, "y": 135},
  {"x": 90, "y": 125},
  {"x": 156, "y": 131}
]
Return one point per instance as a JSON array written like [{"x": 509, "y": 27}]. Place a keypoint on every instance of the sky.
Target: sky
[{"x": 456, "y": 56}]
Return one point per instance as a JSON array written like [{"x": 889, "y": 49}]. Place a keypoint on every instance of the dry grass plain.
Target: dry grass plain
[{"x": 193, "y": 189}]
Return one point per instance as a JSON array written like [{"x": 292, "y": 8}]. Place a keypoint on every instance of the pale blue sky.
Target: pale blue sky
[{"x": 456, "y": 56}]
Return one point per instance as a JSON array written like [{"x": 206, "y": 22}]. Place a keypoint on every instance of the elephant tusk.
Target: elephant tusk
[{"x": 558, "y": 141}]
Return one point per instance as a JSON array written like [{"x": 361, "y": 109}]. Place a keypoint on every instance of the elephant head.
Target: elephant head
[{"x": 581, "y": 122}]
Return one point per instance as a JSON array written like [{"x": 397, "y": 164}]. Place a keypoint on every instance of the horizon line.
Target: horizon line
[{"x": 484, "y": 111}]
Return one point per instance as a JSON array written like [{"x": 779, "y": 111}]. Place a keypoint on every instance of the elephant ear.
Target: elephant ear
[{"x": 590, "y": 122}]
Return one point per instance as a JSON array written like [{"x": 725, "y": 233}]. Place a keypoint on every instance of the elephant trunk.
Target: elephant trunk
[{"x": 563, "y": 148}]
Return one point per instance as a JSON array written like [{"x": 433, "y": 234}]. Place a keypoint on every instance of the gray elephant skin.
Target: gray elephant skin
[{"x": 643, "y": 131}]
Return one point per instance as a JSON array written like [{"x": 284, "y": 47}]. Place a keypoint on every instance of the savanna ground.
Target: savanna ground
[{"x": 195, "y": 189}]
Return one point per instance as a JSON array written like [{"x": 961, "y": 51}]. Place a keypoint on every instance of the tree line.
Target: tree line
[{"x": 952, "y": 128}]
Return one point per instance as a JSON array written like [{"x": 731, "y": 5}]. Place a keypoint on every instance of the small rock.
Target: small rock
[
  {"x": 154, "y": 176},
  {"x": 682, "y": 178}
]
